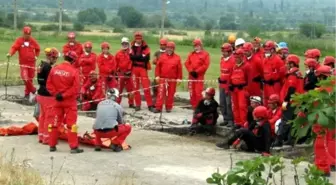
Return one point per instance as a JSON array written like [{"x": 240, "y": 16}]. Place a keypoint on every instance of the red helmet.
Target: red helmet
[
  {"x": 293, "y": 59},
  {"x": 323, "y": 70},
  {"x": 260, "y": 112},
  {"x": 307, "y": 53},
  {"x": 310, "y": 62},
  {"x": 197, "y": 42},
  {"x": 328, "y": 60},
  {"x": 26, "y": 30},
  {"x": 226, "y": 47},
  {"x": 71, "y": 35},
  {"x": 274, "y": 98},
  {"x": 248, "y": 46},
  {"x": 312, "y": 53},
  {"x": 138, "y": 35},
  {"x": 171, "y": 44},
  {"x": 88, "y": 44},
  {"x": 105, "y": 45},
  {"x": 72, "y": 55},
  {"x": 269, "y": 45},
  {"x": 257, "y": 40},
  {"x": 239, "y": 52},
  {"x": 163, "y": 41},
  {"x": 53, "y": 53},
  {"x": 210, "y": 91}
]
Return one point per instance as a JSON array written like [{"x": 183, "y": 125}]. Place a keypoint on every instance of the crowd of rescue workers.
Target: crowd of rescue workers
[{"x": 256, "y": 83}]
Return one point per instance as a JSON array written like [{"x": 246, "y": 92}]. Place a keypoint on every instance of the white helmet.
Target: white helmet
[
  {"x": 112, "y": 93},
  {"x": 239, "y": 41},
  {"x": 124, "y": 40},
  {"x": 256, "y": 99}
]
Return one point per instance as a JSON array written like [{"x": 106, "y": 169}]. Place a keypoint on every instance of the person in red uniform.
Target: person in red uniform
[
  {"x": 197, "y": 64},
  {"x": 275, "y": 112},
  {"x": 314, "y": 54},
  {"x": 254, "y": 85},
  {"x": 168, "y": 72},
  {"x": 63, "y": 85},
  {"x": 28, "y": 49},
  {"x": 73, "y": 45},
  {"x": 330, "y": 61},
  {"x": 87, "y": 62},
  {"x": 92, "y": 92},
  {"x": 310, "y": 79},
  {"x": 226, "y": 64},
  {"x": 140, "y": 56},
  {"x": 238, "y": 87},
  {"x": 107, "y": 67},
  {"x": 257, "y": 49},
  {"x": 44, "y": 98},
  {"x": 124, "y": 68},
  {"x": 272, "y": 76},
  {"x": 157, "y": 54}
]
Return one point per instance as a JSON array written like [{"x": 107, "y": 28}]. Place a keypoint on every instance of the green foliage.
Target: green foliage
[
  {"x": 92, "y": 16},
  {"x": 177, "y": 32},
  {"x": 115, "y": 22},
  {"x": 240, "y": 34},
  {"x": 312, "y": 30},
  {"x": 65, "y": 17},
  {"x": 313, "y": 176},
  {"x": 119, "y": 30},
  {"x": 154, "y": 21},
  {"x": 253, "y": 30},
  {"x": 131, "y": 17},
  {"x": 192, "y": 22},
  {"x": 52, "y": 27},
  {"x": 77, "y": 26},
  {"x": 7, "y": 21},
  {"x": 227, "y": 23}
]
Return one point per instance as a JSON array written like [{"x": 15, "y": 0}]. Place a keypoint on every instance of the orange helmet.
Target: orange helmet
[
  {"x": 232, "y": 39},
  {"x": 293, "y": 59},
  {"x": 226, "y": 47},
  {"x": 248, "y": 46},
  {"x": 310, "y": 62},
  {"x": 210, "y": 91},
  {"x": 257, "y": 40},
  {"x": 171, "y": 44},
  {"x": 260, "y": 112},
  {"x": 71, "y": 35},
  {"x": 88, "y": 44},
  {"x": 163, "y": 41},
  {"x": 323, "y": 70},
  {"x": 26, "y": 30},
  {"x": 105, "y": 45},
  {"x": 269, "y": 45},
  {"x": 138, "y": 35},
  {"x": 72, "y": 55},
  {"x": 197, "y": 42},
  {"x": 328, "y": 60},
  {"x": 274, "y": 98}
]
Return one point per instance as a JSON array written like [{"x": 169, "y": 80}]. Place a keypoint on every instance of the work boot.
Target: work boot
[
  {"x": 131, "y": 106},
  {"x": 151, "y": 109},
  {"x": 277, "y": 143},
  {"x": 333, "y": 168},
  {"x": 192, "y": 129},
  {"x": 168, "y": 111},
  {"x": 116, "y": 148},
  {"x": 156, "y": 110},
  {"x": 76, "y": 151},
  {"x": 137, "y": 108},
  {"x": 224, "y": 123},
  {"x": 223, "y": 145},
  {"x": 97, "y": 149},
  {"x": 52, "y": 149}
]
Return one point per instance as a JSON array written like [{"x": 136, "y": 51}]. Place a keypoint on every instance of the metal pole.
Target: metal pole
[
  {"x": 6, "y": 94},
  {"x": 60, "y": 16},
  {"x": 15, "y": 15},
  {"x": 163, "y": 16}
]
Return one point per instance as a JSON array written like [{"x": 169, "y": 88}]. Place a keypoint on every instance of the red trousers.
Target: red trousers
[
  {"x": 27, "y": 75},
  {"x": 254, "y": 89},
  {"x": 331, "y": 146},
  {"x": 140, "y": 75},
  {"x": 45, "y": 103},
  {"x": 108, "y": 83},
  {"x": 239, "y": 106},
  {"x": 271, "y": 89},
  {"x": 118, "y": 138},
  {"x": 321, "y": 157},
  {"x": 88, "y": 106},
  {"x": 195, "y": 90},
  {"x": 165, "y": 95},
  {"x": 125, "y": 82},
  {"x": 64, "y": 112}
]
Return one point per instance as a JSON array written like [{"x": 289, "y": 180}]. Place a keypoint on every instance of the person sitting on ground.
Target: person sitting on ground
[
  {"x": 205, "y": 115},
  {"x": 255, "y": 101},
  {"x": 92, "y": 92},
  {"x": 274, "y": 111},
  {"x": 256, "y": 140},
  {"x": 109, "y": 122}
]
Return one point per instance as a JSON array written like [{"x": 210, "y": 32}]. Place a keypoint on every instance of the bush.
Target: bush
[
  {"x": 119, "y": 30},
  {"x": 312, "y": 30},
  {"x": 240, "y": 34},
  {"x": 92, "y": 16},
  {"x": 115, "y": 22},
  {"x": 176, "y": 32},
  {"x": 131, "y": 17},
  {"x": 77, "y": 26},
  {"x": 253, "y": 30},
  {"x": 52, "y": 27}
]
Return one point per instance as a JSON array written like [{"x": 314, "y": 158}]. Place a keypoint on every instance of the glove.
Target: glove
[
  {"x": 157, "y": 80},
  {"x": 236, "y": 143},
  {"x": 231, "y": 88},
  {"x": 128, "y": 73},
  {"x": 284, "y": 105},
  {"x": 8, "y": 55},
  {"x": 59, "y": 97},
  {"x": 193, "y": 74},
  {"x": 199, "y": 115}
]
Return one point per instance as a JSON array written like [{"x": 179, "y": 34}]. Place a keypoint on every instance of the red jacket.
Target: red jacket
[
  {"x": 123, "y": 61},
  {"x": 93, "y": 90},
  {"x": 226, "y": 68},
  {"x": 78, "y": 48},
  {"x": 274, "y": 115},
  {"x": 106, "y": 65},
  {"x": 64, "y": 79},
  {"x": 260, "y": 53},
  {"x": 293, "y": 83},
  {"x": 140, "y": 55},
  {"x": 28, "y": 52},
  {"x": 255, "y": 75},
  {"x": 272, "y": 69},
  {"x": 169, "y": 66},
  {"x": 198, "y": 62},
  {"x": 240, "y": 74},
  {"x": 87, "y": 63}
]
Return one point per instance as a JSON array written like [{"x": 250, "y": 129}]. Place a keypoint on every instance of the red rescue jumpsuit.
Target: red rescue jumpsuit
[
  {"x": 124, "y": 65},
  {"x": 77, "y": 47},
  {"x": 272, "y": 76},
  {"x": 93, "y": 94},
  {"x": 293, "y": 80},
  {"x": 198, "y": 62},
  {"x": 64, "y": 79},
  {"x": 238, "y": 81},
  {"x": 168, "y": 69},
  {"x": 118, "y": 137},
  {"x": 275, "y": 115},
  {"x": 107, "y": 67},
  {"x": 260, "y": 53},
  {"x": 87, "y": 63},
  {"x": 140, "y": 56},
  {"x": 225, "y": 72},
  {"x": 28, "y": 50},
  {"x": 254, "y": 88}
]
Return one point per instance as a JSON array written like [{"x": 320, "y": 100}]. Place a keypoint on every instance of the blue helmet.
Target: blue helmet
[{"x": 282, "y": 45}]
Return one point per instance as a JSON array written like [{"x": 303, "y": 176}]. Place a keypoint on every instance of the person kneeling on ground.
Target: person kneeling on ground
[
  {"x": 92, "y": 92},
  {"x": 258, "y": 139},
  {"x": 206, "y": 114},
  {"x": 109, "y": 122}
]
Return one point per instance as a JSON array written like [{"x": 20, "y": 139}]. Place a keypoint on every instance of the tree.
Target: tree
[
  {"x": 226, "y": 22},
  {"x": 312, "y": 29},
  {"x": 253, "y": 30},
  {"x": 115, "y": 22},
  {"x": 92, "y": 16},
  {"x": 192, "y": 22},
  {"x": 131, "y": 17},
  {"x": 77, "y": 26},
  {"x": 65, "y": 17}
]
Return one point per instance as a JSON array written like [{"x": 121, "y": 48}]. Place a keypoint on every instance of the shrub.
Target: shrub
[
  {"x": 52, "y": 27},
  {"x": 253, "y": 30},
  {"x": 312, "y": 30},
  {"x": 240, "y": 34},
  {"x": 176, "y": 32},
  {"x": 77, "y": 26},
  {"x": 119, "y": 30}
]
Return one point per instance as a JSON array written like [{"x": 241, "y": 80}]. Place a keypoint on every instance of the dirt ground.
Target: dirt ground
[{"x": 155, "y": 157}]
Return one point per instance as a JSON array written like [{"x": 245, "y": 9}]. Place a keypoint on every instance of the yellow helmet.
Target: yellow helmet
[
  {"x": 232, "y": 39},
  {"x": 47, "y": 51}
]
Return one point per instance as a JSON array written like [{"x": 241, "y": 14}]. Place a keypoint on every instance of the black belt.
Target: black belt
[
  {"x": 271, "y": 82},
  {"x": 222, "y": 81},
  {"x": 105, "y": 129}
]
